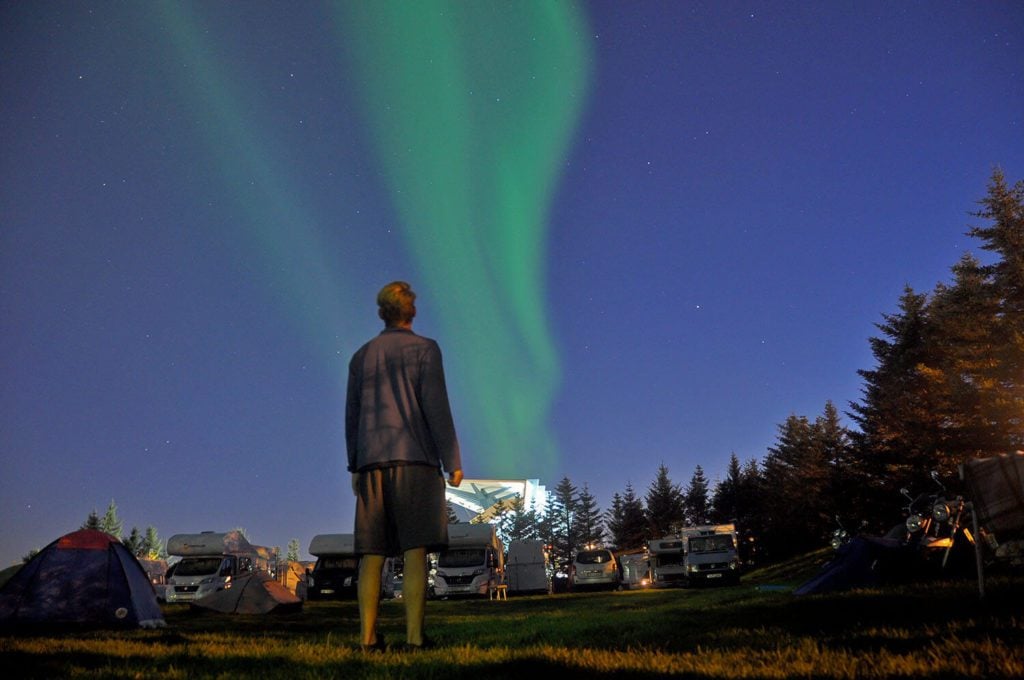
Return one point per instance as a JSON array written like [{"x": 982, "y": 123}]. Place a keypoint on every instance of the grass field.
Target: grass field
[{"x": 758, "y": 629}]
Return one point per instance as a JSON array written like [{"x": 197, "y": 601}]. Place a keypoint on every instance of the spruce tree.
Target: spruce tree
[
  {"x": 1003, "y": 207},
  {"x": 665, "y": 511},
  {"x": 725, "y": 499},
  {"x": 93, "y": 521},
  {"x": 559, "y": 527},
  {"x": 695, "y": 498},
  {"x": 152, "y": 547},
  {"x": 110, "y": 522},
  {"x": 519, "y": 524},
  {"x": 589, "y": 527},
  {"x": 134, "y": 542},
  {"x": 293, "y": 550}
]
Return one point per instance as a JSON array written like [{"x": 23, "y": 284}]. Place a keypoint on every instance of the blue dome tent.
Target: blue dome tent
[{"x": 86, "y": 577}]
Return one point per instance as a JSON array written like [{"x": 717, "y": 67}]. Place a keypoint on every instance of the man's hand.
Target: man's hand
[
  {"x": 355, "y": 484},
  {"x": 455, "y": 477}
]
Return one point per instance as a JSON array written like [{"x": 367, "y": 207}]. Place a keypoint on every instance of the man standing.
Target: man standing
[{"x": 401, "y": 440}]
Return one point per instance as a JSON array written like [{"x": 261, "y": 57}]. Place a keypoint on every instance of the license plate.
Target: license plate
[
  {"x": 714, "y": 576},
  {"x": 328, "y": 591}
]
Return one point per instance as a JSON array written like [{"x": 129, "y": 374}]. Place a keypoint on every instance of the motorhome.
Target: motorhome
[
  {"x": 711, "y": 554},
  {"x": 472, "y": 564},
  {"x": 336, "y": 572},
  {"x": 668, "y": 563},
  {"x": 209, "y": 561},
  {"x": 526, "y": 567}
]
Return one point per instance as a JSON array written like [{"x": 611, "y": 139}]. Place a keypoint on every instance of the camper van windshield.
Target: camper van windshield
[
  {"x": 350, "y": 563},
  {"x": 197, "y": 566},
  {"x": 711, "y": 543},
  {"x": 461, "y": 557}
]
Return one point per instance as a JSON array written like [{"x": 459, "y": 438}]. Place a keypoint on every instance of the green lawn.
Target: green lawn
[{"x": 755, "y": 630}]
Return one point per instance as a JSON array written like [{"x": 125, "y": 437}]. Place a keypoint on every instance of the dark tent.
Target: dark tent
[
  {"x": 85, "y": 577},
  {"x": 254, "y": 593},
  {"x": 996, "y": 488},
  {"x": 863, "y": 562}
]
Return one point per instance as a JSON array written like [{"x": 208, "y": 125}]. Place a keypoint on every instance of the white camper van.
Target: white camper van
[
  {"x": 472, "y": 564},
  {"x": 668, "y": 561},
  {"x": 711, "y": 554},
  {"x": 336, "y": 572},
  {"x": 209, "y": 562},
  {"x": 526, "y": 567}
]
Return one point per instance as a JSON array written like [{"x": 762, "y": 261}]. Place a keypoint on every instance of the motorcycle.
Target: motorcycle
[{"x": 936, "y": 527}]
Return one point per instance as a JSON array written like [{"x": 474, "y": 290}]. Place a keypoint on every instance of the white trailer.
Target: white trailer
[
  {"x": 472, "y": 564},
  {"x": 526, "y": 567},
  {"x": 209, "y": 562}
]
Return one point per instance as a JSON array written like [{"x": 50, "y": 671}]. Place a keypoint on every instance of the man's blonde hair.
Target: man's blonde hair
[{"x": 396, "y": 302}]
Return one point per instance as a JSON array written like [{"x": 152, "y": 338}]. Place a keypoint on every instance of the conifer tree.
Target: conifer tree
[
  {"x": 152, "y": 547},
  {"x": 589, "y": 527},
  {"x": 1003, "y": 207},
  {"x": 134, "y": 542},
  {"x": 93, "y": 521},
  {"x": 110, "y": 522},
  {"x": 559, "y": 527},
  {"x": 626, "y": 521},
  {"x": 725, "y": 500},
  {"x": 519, "y": 524},
  {"x": 696, "y": 503},
  {"x": 293, "y": 550},
  {"x": 665, "y": 511}
]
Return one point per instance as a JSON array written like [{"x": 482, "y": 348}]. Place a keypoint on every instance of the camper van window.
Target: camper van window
[
  {"x": 461, "y": 557},
  {"x": 197, "y": 566},
  {"x": 245, "y": 564},
  {"x": 670, "y": 559},
  {"x": 711, "y": 543}
]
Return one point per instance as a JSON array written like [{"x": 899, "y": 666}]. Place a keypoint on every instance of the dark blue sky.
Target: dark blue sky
[{"x": 194, "y": 221}]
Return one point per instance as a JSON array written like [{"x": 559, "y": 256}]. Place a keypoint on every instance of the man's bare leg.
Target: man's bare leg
[
  {"x": 368, "y": 591},
  {"x": 414, "y": 592}
]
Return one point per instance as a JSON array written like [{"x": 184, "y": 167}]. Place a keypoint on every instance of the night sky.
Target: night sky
[{"x": 643, "y": 233}]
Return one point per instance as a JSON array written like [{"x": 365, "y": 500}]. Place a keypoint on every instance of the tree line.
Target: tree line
[{"x": 947, "y": 386}]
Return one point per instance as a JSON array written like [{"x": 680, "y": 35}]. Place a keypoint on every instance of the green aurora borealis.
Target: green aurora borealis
[{"x": 471, "y": 110}]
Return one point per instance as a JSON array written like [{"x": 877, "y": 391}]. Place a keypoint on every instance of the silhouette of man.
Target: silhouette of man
[{"x": 401, "y": 440}]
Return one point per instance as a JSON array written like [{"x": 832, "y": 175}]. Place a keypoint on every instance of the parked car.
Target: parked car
[{"x": 595, "y": 569}]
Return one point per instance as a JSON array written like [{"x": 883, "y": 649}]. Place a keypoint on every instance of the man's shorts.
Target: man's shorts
[{"x": 401, "y": 507}]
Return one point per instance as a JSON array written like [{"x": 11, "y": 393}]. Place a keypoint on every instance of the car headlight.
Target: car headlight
[
  {"x": 914, "y": 523},
  {"x": 941, "y": 512}
]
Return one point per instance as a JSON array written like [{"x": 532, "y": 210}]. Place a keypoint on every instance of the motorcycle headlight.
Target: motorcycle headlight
[
  {"x": 914, "y": 523},
  {"x": 941, "y": 512}
]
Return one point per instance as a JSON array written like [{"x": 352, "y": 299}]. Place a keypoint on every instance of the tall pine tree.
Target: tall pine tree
[{"x": 665, "y": 510}]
